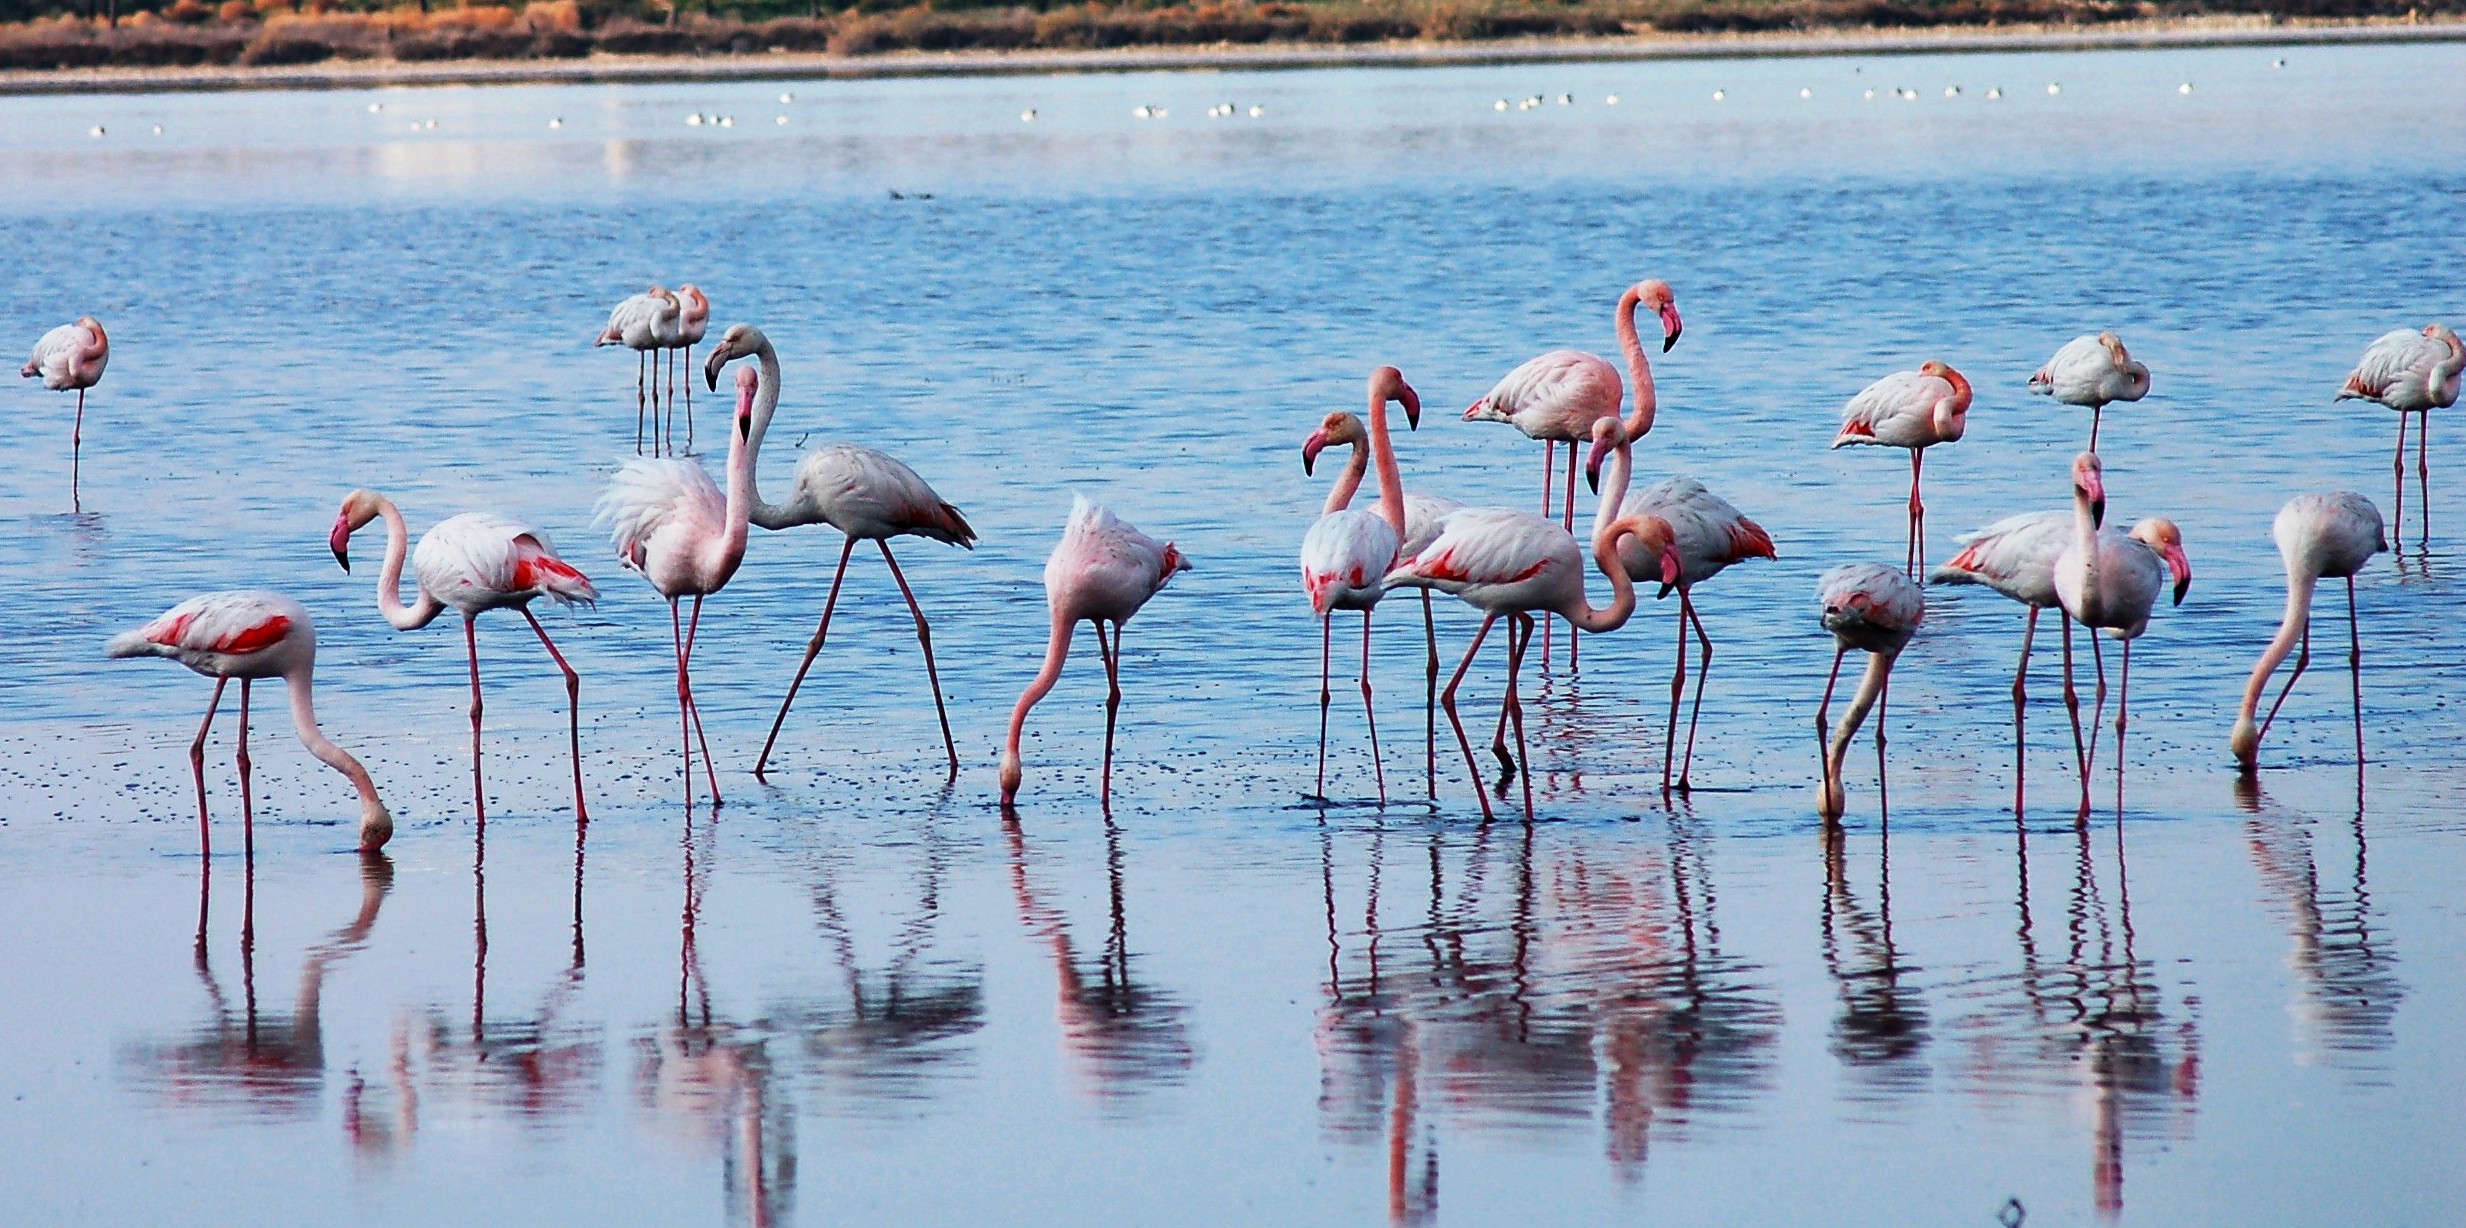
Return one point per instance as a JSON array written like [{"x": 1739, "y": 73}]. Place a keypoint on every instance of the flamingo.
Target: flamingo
[
  {"x": 1709, "y": 535},
  {"x": 2015, "y": 556},
  {"x": 1346, "y": 554},
  {"x": 669, "y": 522},
  {"x": 1914, "y": 410},
  {"x": 693, "y": 322},
  {"x": 2093, "y": 371},
  {"x": 1104, "y": 570},
  {"x": 72, "y": 356},
  {"x": 2410, "y": 372},
  {"x": 473, "y": 563},
  {"x": 2109, "y": 580},
  {"x": 1556, "y": 397},
  {"x": 248, "y": 636},
  {"x": 2331, "y": 535},
  {"x": 1509, "y": 564},
  {"x": 638, "y": 323},
  {"x": 864, "y": 493},
  {"x": 1872, "y": 608},
  {"x": 1422, "y": 514}
]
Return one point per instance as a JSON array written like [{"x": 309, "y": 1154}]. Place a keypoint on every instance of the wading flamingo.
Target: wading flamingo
[
  {"x": 1346, "y": 554},
  {"x": 2330, "y": 535},
  {"x": 1103, "y": 571},
  {"x": 1509, "y": 564},
  {"x": 1556, "y": 397},
  {"x": 865, "y": 494},
  {"x": 1914, "y": 410},
  {"x": 693, "y": 322},
  {"x": 1872, "y": 608},
  {"x": 670, "y": 522},
  {"x": 2015, "y": 556},
  {"x": 2093, "y": 371},
  {"x": 1709, "y": 535},
  {"x": 72, "y": 356},
  {"x": 471, "y": 564},
  {"x": 2108, "y": 580},
  {"x": 2410, "y": 372},
  {"x": 248, "y": 636},
  {"x": 1422, "y": 514},
  {"x": 638, "y": 323}
]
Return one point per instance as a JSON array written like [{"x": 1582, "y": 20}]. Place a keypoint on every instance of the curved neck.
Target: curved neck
[
  {"x": 1349, "y": 481},
  {"x": 741, "y": 498},
  {"x": 2085, "y": 541},
  {"x": 766, "y": 403},
  {"x": 2290, "y": 632},
  {"x": 304, "y": 716},
  {"x": 1949, "y": 410},
  {"x": 1622, "y": 590},
  {"x": 1391, "y": 477},
  {"x": 1613, "y": 501},
  {"x": 1057, "y": 650},
  {"x": 1870, "y": 688},
  {"x": 389, "y": 580},
  {"x": 1639, "y": 367}
]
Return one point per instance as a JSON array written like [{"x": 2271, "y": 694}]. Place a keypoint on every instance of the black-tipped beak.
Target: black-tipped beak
[
  {"x": 339, "y": 541},
  {"x": 1669, "y": 339},
  {"x": 2097, "y": 512},
  {"x": 1665, "y": 591},
  {"x": 2182, "y": 586},
  {"x": 344, "y": 558},
  {"x": 1592, "y": 479},
  {"x": 1310, "y": 462},
  {"x": 710, "y": 369}
]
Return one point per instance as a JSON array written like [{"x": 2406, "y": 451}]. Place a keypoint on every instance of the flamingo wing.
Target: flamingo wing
[
  {"x": 1893, "y": 411},
  {"x": 55, "y": 356},
  {"x": 865, "y": 492},
  {"x": 1107, "y": 566},
  {"x": 2396, "y": 370},
  {"x": 1707, "y": 532},
  {"x": 1555, "y": 396},
  {"x": 1484, "y": 547},
  {"x": 647, "y": 493},
  {"x": 2014, "y": 556},
  {"x": 1870, "y": 605},
  {"x": 486, "y": 559},
  {"x": 1422, "y": 514},
  {"x": 1345, "y": 558},
  {"x": 237, "y": 624}
]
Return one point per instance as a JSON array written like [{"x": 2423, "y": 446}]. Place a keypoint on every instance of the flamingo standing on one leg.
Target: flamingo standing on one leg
[
  {"x": 866, "y": 494},
  {"x": 1103, "y": 571},
  {"x": 2109, "y": 580},
  {"x": 693, "y": 322},
  {"x": 1510, "y": 564},
  {"x": 1346, "y": 554},
  {"x": 2331, "y": 535},
  {"x": 638, "y": 323},
  {"x": 1872, "y": 608},
  {"x": 1556, "y": 397},
  {"x": 2093, "y": 371},
  {"x": 2410, "y": 372},
  {"x": 72, "y": 356},
  {"x": 1710, "y": 534},
  {"x": 670, "y": 522},
  {"x": 1914, "y": 410},
  {"x": 473, "y": 563},
  {"x": 248, "y": 636}
]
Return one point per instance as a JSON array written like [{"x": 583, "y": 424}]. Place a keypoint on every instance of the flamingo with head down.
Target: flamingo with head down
[
  {"x": 1914, "y": 410},
  {"x": 1709, "y": 536},
  {"x": 2410, "y": 372},
  {"x": 72, "y": 356},
  {"x": 1872, "y": 608},
  {"x": 2331, "y": 535},
  {"x": 1346, "y": 554}
]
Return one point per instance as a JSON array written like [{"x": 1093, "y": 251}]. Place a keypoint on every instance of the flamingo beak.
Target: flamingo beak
[
  {"x": 1669, "y": 570},
  {"x": 340, "y": 542},
  {"x": 720, "y": 355},
  {"x": 1592, "y": 466},
  {"x": 2182, "y": 567},
  {"x": 1670, "y": 326},
  {"x": 1311, "y": 448},
  {"x": 1412, "y": 409}
]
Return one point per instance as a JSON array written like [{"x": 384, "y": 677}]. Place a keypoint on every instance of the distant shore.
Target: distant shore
[{"x": 2221, "y": 31}]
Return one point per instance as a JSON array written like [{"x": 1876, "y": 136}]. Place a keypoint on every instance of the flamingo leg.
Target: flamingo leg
[
  {"x": 2123, "y": 705},
  {"x": 1517, "y": 645},
  {"x": 1678, "y": 689},
  {"x": 639, "y": 359},
  {"x": 1549, "y": 475},
  {"x": 1113, "y": 705},
  {"x": 2303, "y": 659},
  {"x": 710, "y": 771},
  {"x": 1447, "y": 700},
  {"x": 1917, "y": 513},
  {"x": 196, "y": 766},
  {"x": 2397, "y": 469},
  {"x": 2072, "y": 703},
  {"x": 2354, "y": 657},
  {"x": 684, "y": 717},
  {"x": 1498, "y": 734},
  {"x": 2020, "y": 673},
  {"x": 248, "y": 804},
  {"x": 1369, "y": 712},
  {"x": 2097, "y": 710},
  {"x": 573, "y": 709},
  {"x": 2097, "y": 413},
  {"x": 924, "y": 633},
  {"x": 1575, "y": 641},
  {"x": 813, "y": 648},
  {"x": 479, "y": 791},
  {"x": 689, "y": 398},
  {"x": 77, "y": 441},
  {"x": 1823, "y": 736},
  {"x": 1703, "y": 670},
  {"x": 2423, "y": 477},
  {"x": 1883, "y": 787},
  {"x": 1327, "y": 624},
  {"x": 1429, "y": 627},
  {"x": 670, "y": 355}
]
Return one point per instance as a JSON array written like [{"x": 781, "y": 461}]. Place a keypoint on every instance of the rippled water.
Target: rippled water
[{"x": 855, "y": 995}]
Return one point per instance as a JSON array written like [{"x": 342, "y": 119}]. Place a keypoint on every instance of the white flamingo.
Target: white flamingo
[
  {"x": 638, "y": 323},
  {"x": 1876, "y": 610},
  {"x": 1346, "y": 553},
  {"x": 72, "y": 357},
  {"x": 2331, "y": 535},
  {"x": 2410, "y": 372},
  {"x": 1914, "y": 410},
  {"x": 2095, "y": 371}
]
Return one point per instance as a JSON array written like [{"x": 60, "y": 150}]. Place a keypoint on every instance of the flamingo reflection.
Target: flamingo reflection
[
  {"x": 2348, "y": 989},
  {"x": 1881, "y": 1031},
  {"x": 1121, "y": 1037}
]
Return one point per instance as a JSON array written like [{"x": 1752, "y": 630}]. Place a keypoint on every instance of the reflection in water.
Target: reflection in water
[
  {"x": 1121, "y": 1037},
  {"x": 1881, "y": 1032},
  {"x": 2349, "y": 993}
]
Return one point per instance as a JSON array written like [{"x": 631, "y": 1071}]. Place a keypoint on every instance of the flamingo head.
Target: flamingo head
[
  {"x": 1655, "y": 293},
  {"x": 739, "y": 341},
  {"x": 2089, "y": 483},
  {"x": 692, "y": 302},
  {"x": 1387, "y": 384},
  {"x": 358, "y": 508},
  {"x": 2245, "y": 742},
  {"x": 376, "y": 826},
  {"x": 1609, "y": 434},
  {"x": 1657, "y": 540},
  {"x": 1340, "y": 427},
  {"x": 2438, "y": 332},
  {"x": 2160, "y": 534},
  {"x": 102, "y": 343},
  {"x": 747, "y": 379}
]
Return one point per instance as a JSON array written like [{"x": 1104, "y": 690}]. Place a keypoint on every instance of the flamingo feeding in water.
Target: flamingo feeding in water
[
  {"x": 2410, "y": 372},
  {"x": 1557, "y": 396},
  {"x": 2093, "y": 371},
  {"x": 1103, "y": 571},
  {"x": 670, "y": 522},
  {"x": 1872, "y": 608},
  {"x": 248, "y": 636},
  {"x": 1346, "y": 554},
  {"x": 72, "y": 356},
  {"x": 2331, "y": 535},
  {"x": 866, "y": 494},
  {"x": 471, "y": 564},
  {"x": 638, "y": 323},
  {"x": 1914, "y": 410},
  {"x": 1708, "y": 536},
  {"x": 693, "y": 322},
  {"x": 2106, "y": 580},
  {"x": 1509, "y": 564}
]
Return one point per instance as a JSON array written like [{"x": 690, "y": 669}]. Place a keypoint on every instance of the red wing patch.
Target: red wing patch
[
  {"x": 1748, "y": 540},
  {"x": 168, "y": 634},
  {"x": 1526, "y": 574},
  {"x": 1859, "y": 427},
  {"x": 1443, "y": 568},
  {"x": 2356, "y": 386},
  {"x": 254, "y": 639},
  {"x": 533, "y": 567}
]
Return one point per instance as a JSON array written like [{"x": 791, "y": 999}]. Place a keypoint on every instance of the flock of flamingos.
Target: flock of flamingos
[{"x": 685, "y": 534}]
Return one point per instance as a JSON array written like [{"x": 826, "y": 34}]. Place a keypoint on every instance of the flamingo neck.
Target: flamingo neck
[
  {"x": 2085, "y": 542},
  {"x": 1639, "y": 367},
  {"x": 1391, "y": 476},
  {"x": 2290, "y": 631},
  {"x": 1613, "y": 501},
  {"x": 389, "y": 580},
  {"x": 1950, "y": 412},
  {"x": 376, "y": 826},
  {"x": 1870, "y": 688},
  {"x": 741, "y": 457},
  {"x": 1057, "y": 650},
  {"x": 1349, "y": 482},
  {"x": 766, "y": 403},
  {"x": 1622, "y": 590},
  {"x": 2445, "y": 375}
]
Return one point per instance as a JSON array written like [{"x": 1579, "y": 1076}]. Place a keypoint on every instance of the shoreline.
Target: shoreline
[{"x": 2185, "y": 33}]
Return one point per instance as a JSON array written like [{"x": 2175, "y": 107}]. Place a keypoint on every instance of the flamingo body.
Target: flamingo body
[
  {"x": 2093, "y": 371},
  {"x": 2332, "y": 535},
  {"x": 1422, "y": 514},
  {"x": 70, "y": 357},
  {"x": 640, "y": 321},
  {"x": 2014, "y": 556},
  {"x": 2407, "y": 370},
  {"x": 662, "y": 514},
  {"x": 1707, "y": 533},
  {"x": 1556, "y": 396},
  {"x": 1876, "y": 610},
  {"x": 1908, "y": 409},
  {"x": 1344, "y": 560}
]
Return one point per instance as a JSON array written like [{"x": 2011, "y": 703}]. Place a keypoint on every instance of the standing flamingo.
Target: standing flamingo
[
  {"x": 2015, "y": 556},
  {"x": 2410, "y": 372},
  {"x": 1872, "y": 608},
  {"x": 670, "y": 523},
  {"x": 473, "y": 563},
  {"x": 638, "y": 323},
  {"x": 252, "y": 635},
  {"x": 1556, "y": 397},
  {"x": 72, "y": 356},
  {"x": 2093, "y": 371},
  {"x": 1914, "y": 410},
  {"x": 1422, "y": 514},
  {"x": 2109, "y": 580},
  {"x": 1104, "y": 570},
  {"x": 1509, "y": 564},
  {"x": 693, "y": 322},
  {"x": 2330, "y": 535},
  {"x": 1346, "y": 554},
  {"x": 866, "y": 494},
  {"x": 1709, "y": 535}
]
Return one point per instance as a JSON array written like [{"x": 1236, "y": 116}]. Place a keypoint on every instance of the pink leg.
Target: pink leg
[
  {"x": 684, "y": 715},
  {"x": 1113, "y": 705},
  {"x": 689, "y": 398},
  {"x": 1516, "y": 646},
  {"x": 1917, "y": 513},
  {"x": 1327, "y": 625},
  {"x": 1549, "y": 475},
  {"x": 1575, "y": 639},
  {"x": 2423, "y": 477},
  {"x": 2123, "y": 706},
  {"x": 693, "y": 629},
  {"x": 1429, "y": 627},
  {"x": 1678, "y": 687},
  {"x": 1703, "y": 670},
  {"x": 813, "y": 648},
  {"x": 1369, "y": 712},
  {"x": 2020, "y": 757},
  {"x": 77, "y": 441},
  {"x": 924, "y": 635},
  {"x": 479, "y": 791},
  {"x": 196, "y": 766},
  {"x": 248, "y": 803},
  {"x": 2097, "y": 707},
  {"x": 573, "y": 709},
  {"x": 1447, "y": 700},
  {"x": 2097, "y": 413},
  {"x": 639, "y": 360},
  {"x": 2354, "y": 657},
  {"x": 2397, "y": 468}
]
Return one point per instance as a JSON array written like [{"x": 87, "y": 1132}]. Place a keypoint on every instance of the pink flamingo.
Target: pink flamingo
[
  {"x": 2410, "y": 372},
  {"x": 670, "y": 523},
  {"x": 1509, "y": 564},
  {"x": 72, "y": 356},
  {"x": 2093, "y": 371},
  {"x": 2015, "y": 556},
  {"x": 2330, "y": 535},
  {"x": 248, "y": 636},
  {"x": 693, "y": 322},
  {"x": 638, "y": 323},
  {"x": 1104, "y": 570},
  {"x": 1346, "y": 554},
  {"x": 866, "y": 494},
  {"x": 1556, "y": 397},
  {"x": 1709, "y": 535},
  {"x": 2109, "y": 580},
  {"x": 1872, "y": 608},
  {"x": 1914, "y": 410},
  {"x": 473, "y": 563}
]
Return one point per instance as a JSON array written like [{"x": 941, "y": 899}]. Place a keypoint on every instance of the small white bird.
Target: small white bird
[
  {"x": 1610, "y": 101},
  {"x": 1718, "y": 95},
  {"x": 1257, "y": 111},
  {"x": 1028, "y": 116},
  {"x": 2184, "y": 88},
  {"x": 96, "y": 130},
  {"x": 1500, "y": 105},
  {"x": 556, "y": 123},
  {"x": 1804, "y": 92},
  {"x": 2054, "y": 88},
  {"x": 785, "y": 99}
]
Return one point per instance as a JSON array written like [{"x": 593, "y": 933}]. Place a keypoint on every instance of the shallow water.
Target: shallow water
[{"x": 855, "y": 995}]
